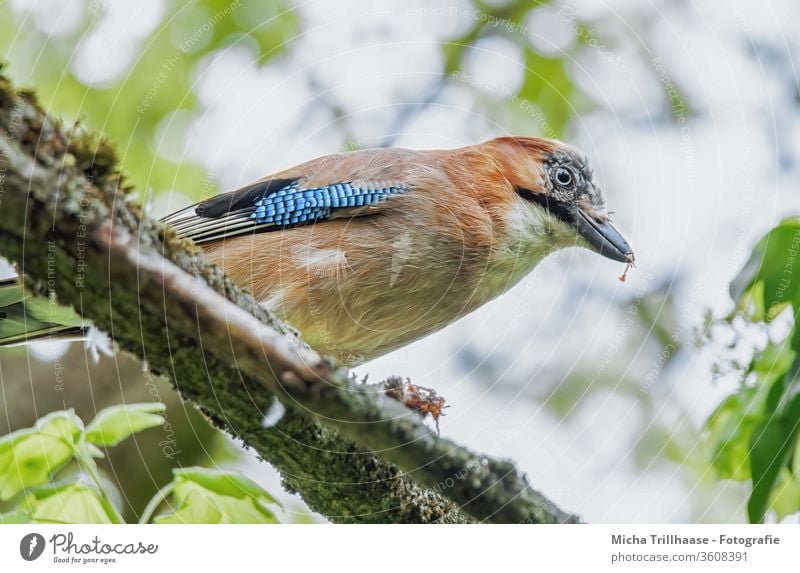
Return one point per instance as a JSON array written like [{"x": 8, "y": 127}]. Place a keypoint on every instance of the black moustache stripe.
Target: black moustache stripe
[{"x": 560, "y": 209}]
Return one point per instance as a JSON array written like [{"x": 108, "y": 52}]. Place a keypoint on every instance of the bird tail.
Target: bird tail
[{"x": 25, "y": 318}]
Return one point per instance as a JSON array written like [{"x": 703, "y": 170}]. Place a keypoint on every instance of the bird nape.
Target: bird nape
[{"x": 364, "y": 252}]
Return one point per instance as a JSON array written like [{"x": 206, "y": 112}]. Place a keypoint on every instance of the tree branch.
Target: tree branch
[{"x": 353, "y": 453}]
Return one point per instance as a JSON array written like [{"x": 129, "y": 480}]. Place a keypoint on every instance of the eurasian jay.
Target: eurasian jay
[{"x": 367, "y": 251}]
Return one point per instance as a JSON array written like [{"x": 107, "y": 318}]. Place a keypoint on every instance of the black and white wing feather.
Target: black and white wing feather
[{"x": 273, "y": 205}]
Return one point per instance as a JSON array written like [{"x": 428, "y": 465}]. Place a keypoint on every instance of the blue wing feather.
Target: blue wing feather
[
  {"x": 295, "y": 204},
  {"x": 274, "y": 205}
]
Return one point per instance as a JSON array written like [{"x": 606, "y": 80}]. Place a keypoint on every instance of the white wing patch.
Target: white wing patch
[
  {"x": 274, "y": 301},
  {"x": 323, "y": 263}
]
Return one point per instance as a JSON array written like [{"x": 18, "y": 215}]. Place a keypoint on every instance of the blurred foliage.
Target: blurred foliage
[
  {"x": 158, "y": 83},
  {"x": 133, "y": 107},
  {"x": 38, "y": 479},
  {"x": 546, "y": 84},
  {"x": 73, "y": 379},
  {"x": 754, "y": 432}
]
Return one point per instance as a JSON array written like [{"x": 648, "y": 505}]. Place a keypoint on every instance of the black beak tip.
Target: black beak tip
[
  {"x": 616, "y": 254},
  {"x": 624, "y": 255},
  {"x": 605, "y": 238}
]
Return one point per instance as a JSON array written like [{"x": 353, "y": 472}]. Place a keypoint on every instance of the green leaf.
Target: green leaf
[
  {"x": 765, "y": 414},
  {"x": 731, "y": 449},
  {"x": 771, "y": 445},
  {"x": 794, "y": 341},
  {"x": 212, "y": 496},
  {"x": 29, "y": 457},
  {"x": 224, "y": 483},
  {"x": 11, "y": 294},
  {"x": 198, "y": 505},
  {"x": 785, "y": 494},
  {"x": 74, "y": 502},
  {"x": 114, "y": 424},
  {"x": 766, "y": 445},
  {"x": 774, "y": 266},
  {"x": 730, "y": 427},
  {"x": 50, "y": 312},
  {"x": 795, "y": 467},
  {"x": 14, "y": 517}
]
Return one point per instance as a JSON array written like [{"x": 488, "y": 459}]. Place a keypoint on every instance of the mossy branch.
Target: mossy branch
[{"x": 354, "y": 454}]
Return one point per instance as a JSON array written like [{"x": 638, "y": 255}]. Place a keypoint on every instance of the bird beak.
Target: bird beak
[{"x": 604, "y": 238}]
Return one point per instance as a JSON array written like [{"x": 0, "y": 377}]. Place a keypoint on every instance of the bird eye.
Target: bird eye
[{"x": 563, "y": 177}]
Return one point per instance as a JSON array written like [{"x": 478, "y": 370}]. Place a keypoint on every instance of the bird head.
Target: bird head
[{"x": 555, "y": 181}]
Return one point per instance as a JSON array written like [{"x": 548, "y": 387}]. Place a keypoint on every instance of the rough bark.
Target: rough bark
[{"x": 353, "y": 454}]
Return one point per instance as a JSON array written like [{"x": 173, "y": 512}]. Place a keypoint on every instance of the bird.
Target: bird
[{"x": 364, "y": 252}]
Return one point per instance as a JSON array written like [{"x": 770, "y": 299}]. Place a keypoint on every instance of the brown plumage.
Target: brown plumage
[{"x": 470, "y": 223}]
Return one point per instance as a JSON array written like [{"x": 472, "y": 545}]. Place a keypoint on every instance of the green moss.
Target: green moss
[
  {"x": 29, "y": 95},
  {"x": 8, "y": 95},
  {"x": 95, "y": 156}
]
